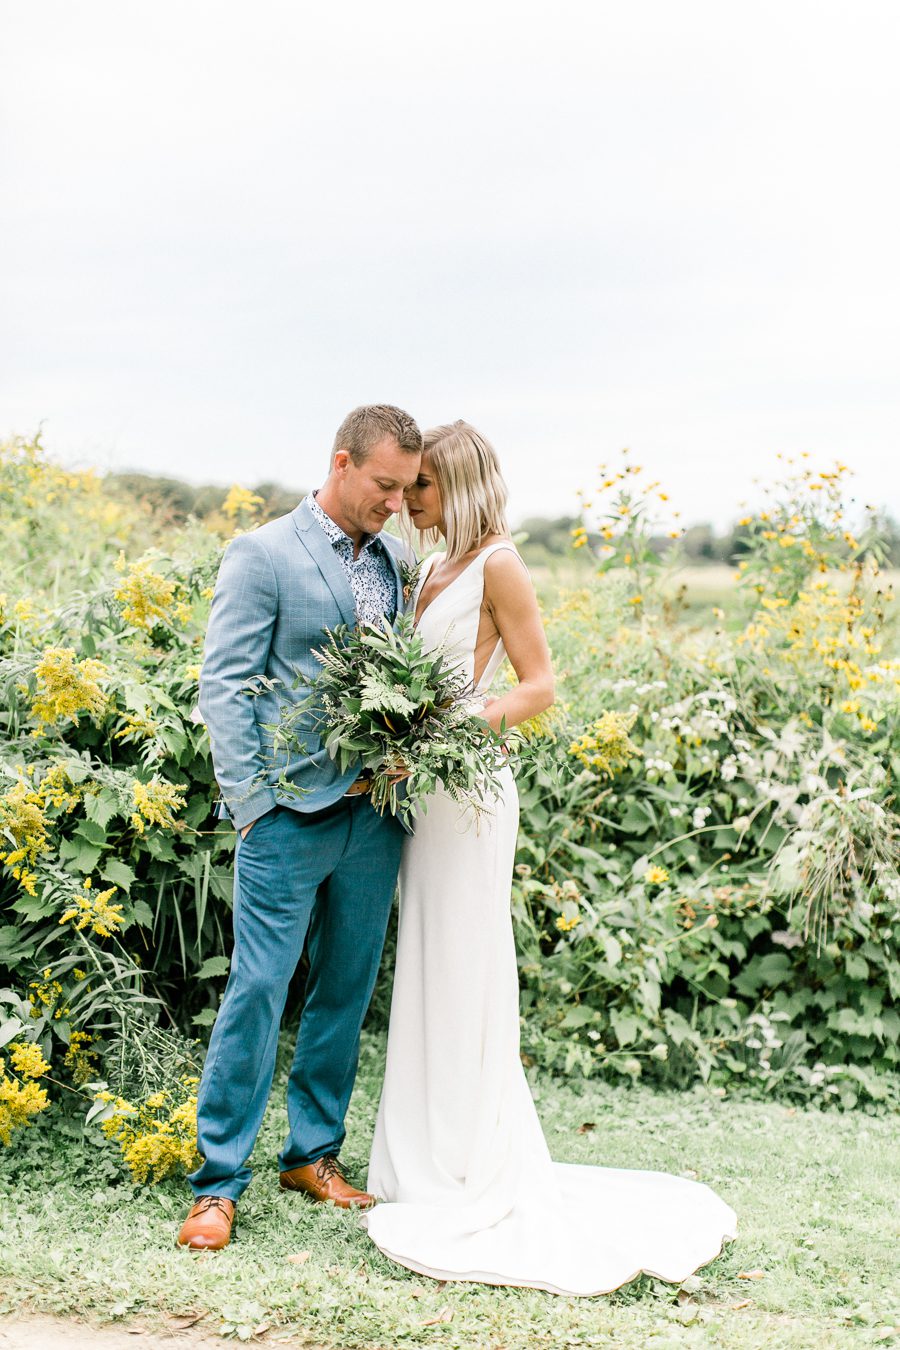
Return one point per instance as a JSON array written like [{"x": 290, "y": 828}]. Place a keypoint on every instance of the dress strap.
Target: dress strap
[{"x": 506, "y": 544}]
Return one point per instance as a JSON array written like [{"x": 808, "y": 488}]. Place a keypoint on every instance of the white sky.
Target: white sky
[{"x": 672, "y": 226}]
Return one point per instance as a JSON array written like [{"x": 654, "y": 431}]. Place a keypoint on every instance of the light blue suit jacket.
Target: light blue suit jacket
[{"x": 278, "y": 589}]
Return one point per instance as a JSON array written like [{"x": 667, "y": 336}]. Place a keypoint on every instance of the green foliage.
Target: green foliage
[
  {"x": 114, "y": 875},
  {"x": 383, "y": 699},
  {"x": 725, "y": 903}
]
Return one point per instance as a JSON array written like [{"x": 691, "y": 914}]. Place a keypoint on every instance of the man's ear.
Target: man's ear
[{"x": 342, "y": 461}]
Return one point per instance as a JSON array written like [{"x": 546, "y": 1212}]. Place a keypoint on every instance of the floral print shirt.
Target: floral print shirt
[{"x": 371, "y": 575}]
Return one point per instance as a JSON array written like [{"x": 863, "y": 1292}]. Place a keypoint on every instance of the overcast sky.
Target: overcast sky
[{"x": 672, "y": 226}]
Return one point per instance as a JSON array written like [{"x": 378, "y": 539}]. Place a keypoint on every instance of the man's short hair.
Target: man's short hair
[{"x": 371, "y": 423}]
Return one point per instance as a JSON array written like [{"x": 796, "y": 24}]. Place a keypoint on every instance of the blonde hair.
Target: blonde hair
[{"x": 473, "y": 493}]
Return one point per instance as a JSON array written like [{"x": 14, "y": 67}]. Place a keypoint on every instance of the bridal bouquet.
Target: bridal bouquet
[{"x": 383, "y": 700}]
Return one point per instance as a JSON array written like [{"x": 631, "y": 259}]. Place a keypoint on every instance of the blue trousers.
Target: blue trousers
[{"x": 328, "y": 878}]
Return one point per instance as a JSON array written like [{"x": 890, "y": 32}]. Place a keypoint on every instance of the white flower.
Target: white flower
[
  {"x": 729, "y": 769},
  {"x": 698, "y": 819}
]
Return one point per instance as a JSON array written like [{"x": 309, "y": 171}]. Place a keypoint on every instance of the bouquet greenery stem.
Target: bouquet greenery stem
[{"x": 403, "y": 714}]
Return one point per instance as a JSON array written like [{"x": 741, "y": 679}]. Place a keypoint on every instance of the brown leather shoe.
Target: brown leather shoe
[
  {"x": 325, "y": 1180},
  {"x": 208, "y": 1225}
]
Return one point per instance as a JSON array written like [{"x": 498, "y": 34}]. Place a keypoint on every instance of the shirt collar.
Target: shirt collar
[{"x": 336, "y": 536}]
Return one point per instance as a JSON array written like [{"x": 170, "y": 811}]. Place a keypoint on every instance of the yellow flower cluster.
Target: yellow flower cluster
[
  {"x": 157, "y": 1138},
  {"x": 33, "y": 484},
  {"x": 566, "y": 922},
  {"x": 145, "y": 596},
  {"x": 66, "y": 687},
  {"x": 802, "y": 532},
  {"x": 154, "y": 803},
  {"x": 23, "y": 610},
  {"x": 93, "y": 910},
  {"x": 57, "y": 789},
  {"x": 79, "y": 1060},
  {"x": 46, "y": 996},
  {"x": 22, "y": 817},
  {"x": 241, "y": 502},
  {"x": 20, "y": 1096},
  {"x": 604, "y": 746},
  {"x": 656, "y": 876},
  {"x": 828, "y": 631},
  {"x": 542, "y": 727},
  {"x": 27, "y": 1060},
  {"x": 135, "y": 728},
  {"x": 627, "y": 518}
]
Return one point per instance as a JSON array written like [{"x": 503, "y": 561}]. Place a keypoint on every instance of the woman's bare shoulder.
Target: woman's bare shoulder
[{"x": 505, "y": 573}]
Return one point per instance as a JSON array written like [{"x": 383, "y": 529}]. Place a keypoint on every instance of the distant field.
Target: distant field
[{"x": 705, "y": 586}]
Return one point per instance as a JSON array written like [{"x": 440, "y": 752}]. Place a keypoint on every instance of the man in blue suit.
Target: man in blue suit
[{"x": 319, "y": 867}]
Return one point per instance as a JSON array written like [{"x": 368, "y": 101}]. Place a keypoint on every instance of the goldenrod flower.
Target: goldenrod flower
[
  {"x": 18, "y": 1103},
  {"x": 27, "y": 1060},
  {"x": 241, "y": 501},
  {"x": 604, "y": 746},
  {"x": 93, "y": 910},
  {"x": 145, "y": 596},
  {"x": 66, "y": 687},
  {"x": 81, "y": 1061},
  {"x": 154, "y": 1142},
  {"x": 155, "y": 802}
]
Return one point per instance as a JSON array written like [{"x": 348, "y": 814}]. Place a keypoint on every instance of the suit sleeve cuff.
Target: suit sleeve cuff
[{"x": 244, "y": 810}]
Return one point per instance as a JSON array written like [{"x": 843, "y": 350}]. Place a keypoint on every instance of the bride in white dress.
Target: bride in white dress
[{"x": 468, "y": 1189}]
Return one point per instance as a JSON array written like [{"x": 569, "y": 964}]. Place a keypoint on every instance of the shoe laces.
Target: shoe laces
[
  {"x": 329, "y": 1167},
  {"x": 207, "y": 1202}
]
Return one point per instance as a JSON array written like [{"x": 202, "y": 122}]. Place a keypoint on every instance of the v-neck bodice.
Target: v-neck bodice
[{"x": 451, "y": 620}]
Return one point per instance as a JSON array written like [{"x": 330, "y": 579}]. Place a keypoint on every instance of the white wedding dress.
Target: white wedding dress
[{"x": 468, "y": 1188}]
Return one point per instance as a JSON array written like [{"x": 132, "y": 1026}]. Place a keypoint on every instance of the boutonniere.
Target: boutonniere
[{"x": 409, "y": 577}]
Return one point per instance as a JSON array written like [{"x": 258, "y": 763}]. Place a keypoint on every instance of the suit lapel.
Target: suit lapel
[{"x": 327, "y": 561}]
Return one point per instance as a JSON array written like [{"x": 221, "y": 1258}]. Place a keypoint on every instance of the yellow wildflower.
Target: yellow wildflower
[
  {"x": 154, "y": 1144},
  {"x": 656, "y": 876},
  {"x": 93, "y": 910},
  {"x": 27, "y": 1060},
  {"x": 604, "y": 746},
  {"x": 155, "y": 802},
  {"x": 66, "y": 687},
  {"x": 21, "y": 816},
  {"x": 79, "y": 1059},
  {"x": 18, "y": 1103},
  {"x": 57, "y": 789},
  {"x": 135, "y": 728},
  {"x": 145, "y": 596},
  {"x": 241, "y": 501}
]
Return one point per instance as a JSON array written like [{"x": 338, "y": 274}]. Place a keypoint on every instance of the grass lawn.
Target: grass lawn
[{"x": 816, "y": 1196}]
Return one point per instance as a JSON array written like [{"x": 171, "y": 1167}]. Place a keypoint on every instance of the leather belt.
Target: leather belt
[{"x": 362, "y": 785}]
